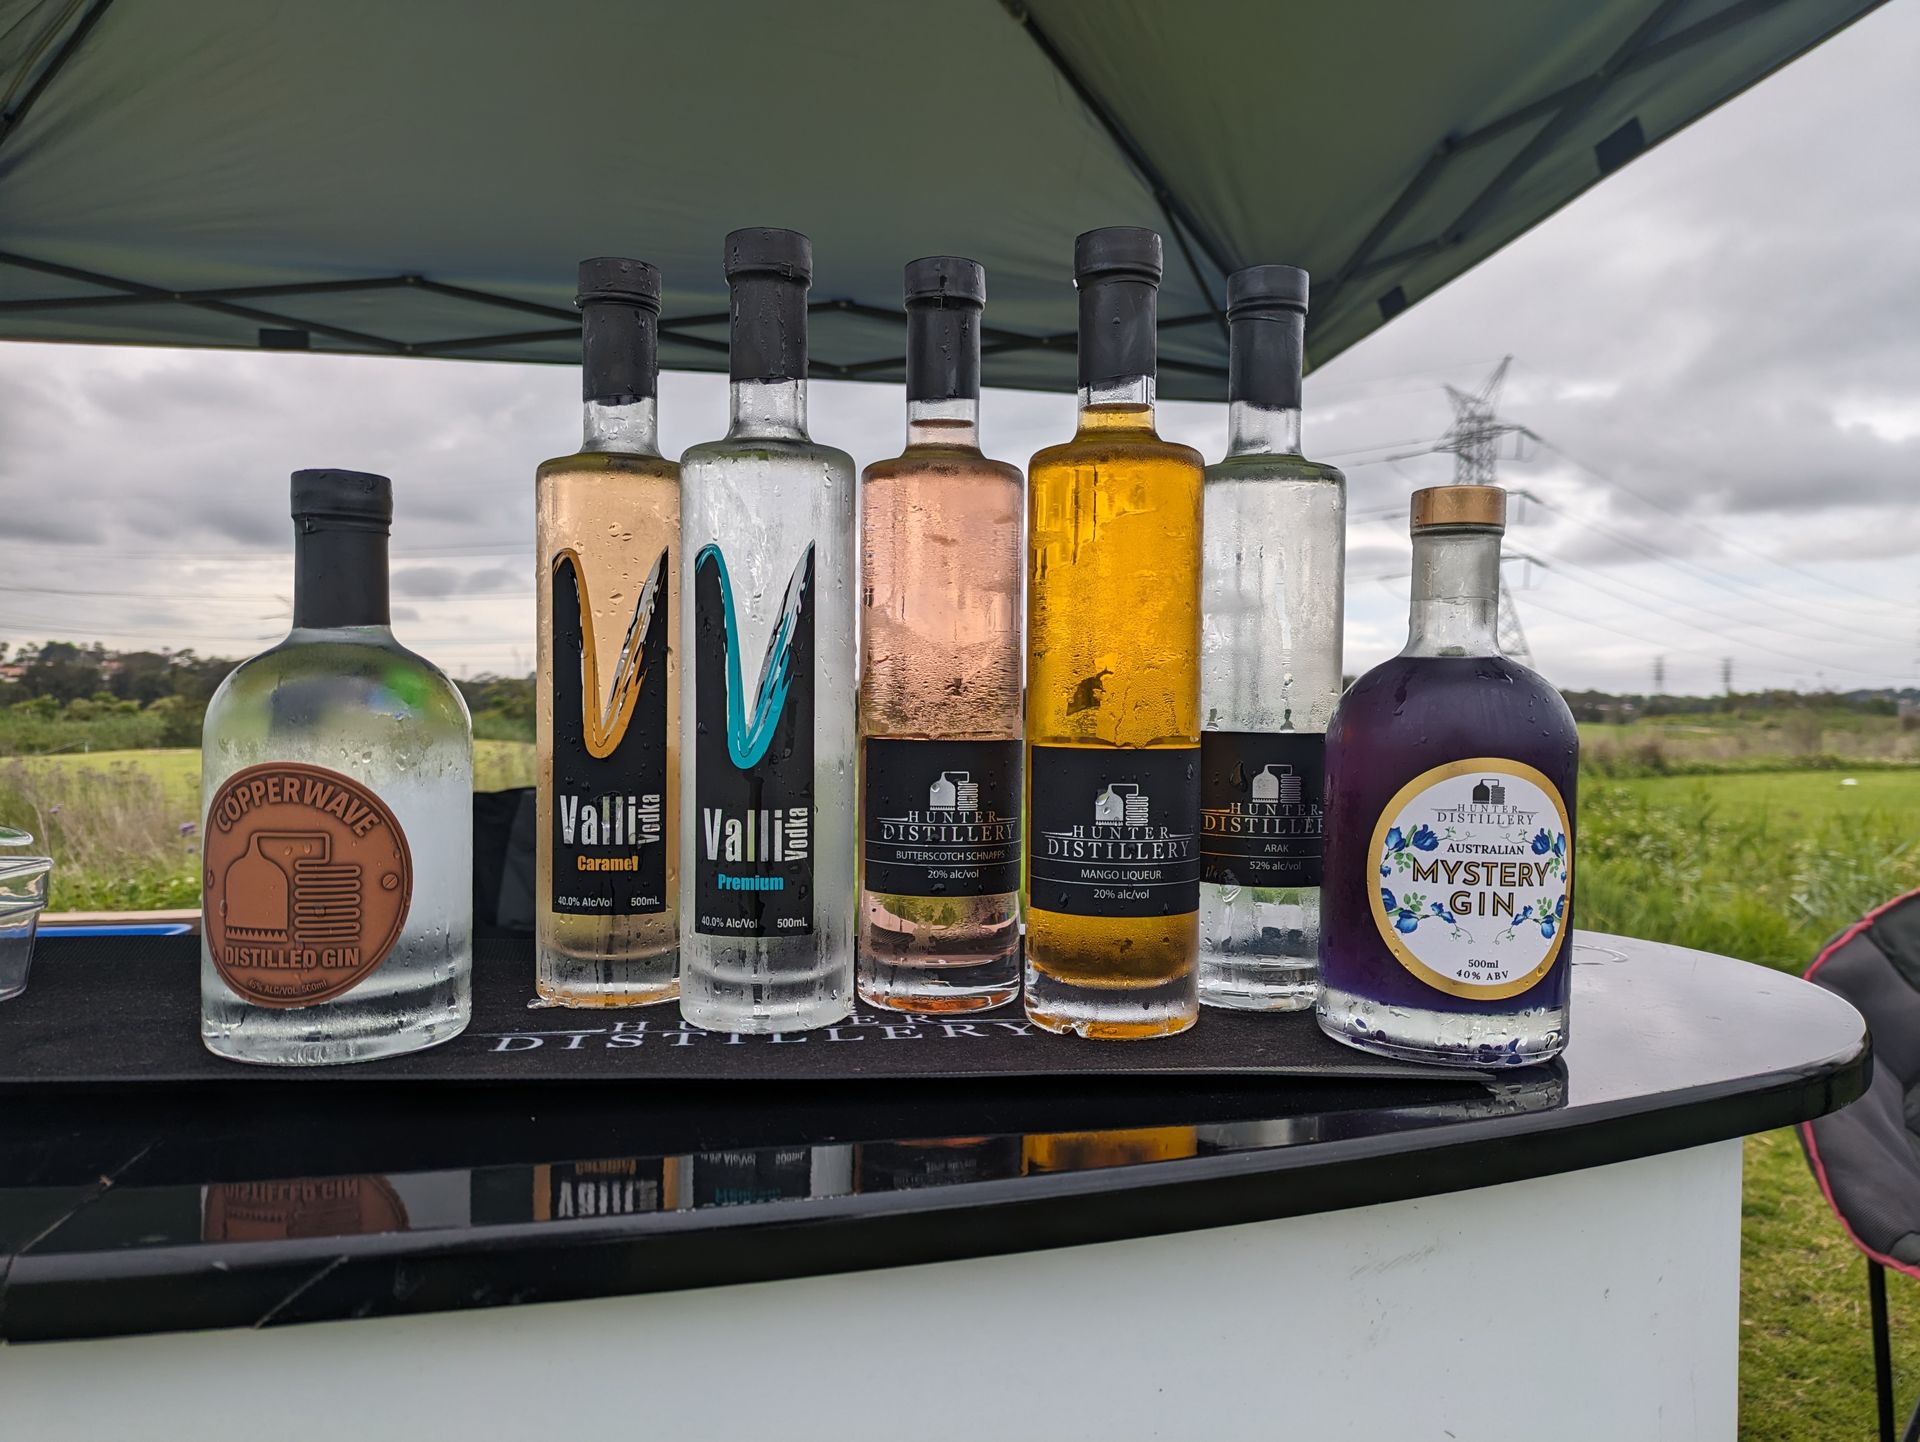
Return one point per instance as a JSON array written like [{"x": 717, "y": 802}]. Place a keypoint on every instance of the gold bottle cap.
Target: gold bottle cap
[{"x": 1480, "y": 506}]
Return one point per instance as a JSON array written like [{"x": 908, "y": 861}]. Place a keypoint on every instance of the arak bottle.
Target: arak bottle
[
  {"x": 1450, "y": 823},
  {"x": 1113, "y": 681},
  {"x": 767, "y": 772},
  {"x": 337, "y": 817},
  {"x": 608, "y": 716},
  {"x": 1269, "y": 663},
  {"x": 940, "y": 679}
]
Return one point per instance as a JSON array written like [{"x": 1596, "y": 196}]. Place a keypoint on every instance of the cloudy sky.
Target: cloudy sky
[{"x": 1718, "y": 348}]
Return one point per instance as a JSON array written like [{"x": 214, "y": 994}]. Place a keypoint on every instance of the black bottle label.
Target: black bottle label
[
  {"x": 941, "y": 818},
  {"x": 609, "y": 752},
  {"x": 753, "y": 762},
  {"x": 1262, "y": 800},
  {"x": 1113, "y": 830},
  {"x": 739, "y": 1178}
]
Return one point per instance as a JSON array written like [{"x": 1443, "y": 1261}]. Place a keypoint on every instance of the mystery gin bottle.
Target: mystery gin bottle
[
  {"x": 940, "y": 680},
  {"x": 1269, "y": 663},
  {"x": 1450, "y": 805},
  {"x": 608, "y": 714},
  {"x": 337, "y": 817},
  {"x": 1113, "y": 682},
  {"x": 767, "y": 772}
]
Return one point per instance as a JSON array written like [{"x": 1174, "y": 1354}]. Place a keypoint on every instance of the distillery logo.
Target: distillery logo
[
  {"x": 1122, "y": 830},
  {"x": 1486, "y": 806},
  {"x": 953, "y": 817},
  {"x": 1275, "y": 805},
  {"x": 307, "y": 878}
]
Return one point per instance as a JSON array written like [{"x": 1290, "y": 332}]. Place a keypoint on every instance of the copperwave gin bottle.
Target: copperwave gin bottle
[
  {"x": 1450, "y": 795},
  {"x": 337, "y": 817},
  {"x": 1269, "y": 662},
  {"x": 940, "y": 679},
  {"x": 608, "y": 715},
  {"x": 767, "y": 769},
  {"x": 1113, "y": 681}
]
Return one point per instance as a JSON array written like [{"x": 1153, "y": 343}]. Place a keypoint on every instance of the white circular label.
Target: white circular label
[{"x": 1473, "y": 860}]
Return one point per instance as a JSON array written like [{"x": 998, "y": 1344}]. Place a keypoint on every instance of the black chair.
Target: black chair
[{"x": 1866, "y": 1157}]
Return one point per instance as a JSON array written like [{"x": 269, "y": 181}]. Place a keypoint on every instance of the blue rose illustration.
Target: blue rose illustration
[
  {"x": 1560, "y": 843},
  {"x": 1386, "y": 870},
  {"x": 1406, "y": 921},
  {"x": 1542, "y": 843},
  {"x": 1387, "y": 903},
  {"x": 1424, "y": 839},
  {"x": 1547, "y": 927},
  {"x": 1395, "y": 840},
  {"x": 1560, "y": 908}
]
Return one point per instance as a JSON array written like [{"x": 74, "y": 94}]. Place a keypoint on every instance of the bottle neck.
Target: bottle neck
[
  {"x": 767, "y": 409},
  {"x": 339, "y": 576},
  {"x": 632, "y": 429},
  {"x": 1456, "y": 594},
  {"x": 1118, "y": 350},
  {"x": 1258, "y": 431},
  {"x": 953, "y": 422}
]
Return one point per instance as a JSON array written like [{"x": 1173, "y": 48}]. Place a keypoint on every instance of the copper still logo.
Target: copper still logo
[{"x": 307, "y": 881}]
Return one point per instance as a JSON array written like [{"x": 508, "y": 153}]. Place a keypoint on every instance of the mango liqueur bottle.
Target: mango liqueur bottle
[
  {"x": 766, "y": 892},
  {"x": 940, "y": 679},
  {"x": 608, "y": 714},
  {"x": 337, "y": 824},
  {"x": 1269, "y": 663},
  {"x": 1450, "y": 796},
  {"x": 1113, "y": 682}
]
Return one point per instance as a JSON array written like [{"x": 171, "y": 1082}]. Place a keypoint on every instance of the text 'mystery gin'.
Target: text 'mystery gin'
[
  {"x": 337, "y": 817},
  {"x": 939, "y": 925},
  {"x": 608, "y": 718},
  {"x": 767, "y": 707},
  {"x": 1113, "y": 681},
  {"x": 1450, "y": 792},
  {"x": 1269, "y": 662}
]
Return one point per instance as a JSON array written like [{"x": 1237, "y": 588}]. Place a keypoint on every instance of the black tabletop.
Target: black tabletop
[{"x": 126, "y": 1209}]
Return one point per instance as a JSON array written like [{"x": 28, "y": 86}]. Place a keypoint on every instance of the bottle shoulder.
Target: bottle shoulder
[
  {"x": 396, "y": 678},
  {"x": 1455, "y": 694},
  {"x": 1276, "y": 468},
  {"x": 1095, "y": 448},
  {"x": 589, "y": 464},
  {"x": 778, "y": 450},
  {"x": 942, "y": 463}
]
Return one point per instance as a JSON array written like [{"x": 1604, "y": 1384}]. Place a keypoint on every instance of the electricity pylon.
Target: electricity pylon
[{"x": 1475, "y": 444}]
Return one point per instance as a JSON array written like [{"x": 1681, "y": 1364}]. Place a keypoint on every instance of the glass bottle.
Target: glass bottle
[
  {"x": 608, "y": 717},
  {"x": 766, "y": 894},
  {"x": 940, "y": 679},
  {"x": 337, "y": 817},
  {"x": 1113, "y": 681},
  {"x": 1269, "y": 662},
  {"x": 1450, "y": 809}
]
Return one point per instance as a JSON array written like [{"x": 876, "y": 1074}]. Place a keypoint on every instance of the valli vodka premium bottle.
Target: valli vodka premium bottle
[
  {"x": 1113, "y": 682},
  {"x": 940, "y": 679},
  {"x": 767, "y": 772},
  {"x": 1269, "y": 663},
  {"x": 1450, "y": 806},
  {"x": 337, "y": 831},
  {"x": 608, "y": 714}
]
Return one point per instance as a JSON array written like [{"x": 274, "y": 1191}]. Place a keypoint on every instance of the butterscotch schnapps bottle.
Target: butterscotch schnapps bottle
[
  {"x": 1113, "y": 682},
  {"x": 767, "y": 713},
  {"x": 1269, "y": 663},
  {"x": 608, "y": 716},
  {"x": 337, "y": 822},
  {"x": 939, "y": 924}
]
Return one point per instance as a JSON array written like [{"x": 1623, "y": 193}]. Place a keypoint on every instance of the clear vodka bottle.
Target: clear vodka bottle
[
  {"x": 1270, "y": 663},
  {"x": 337, "y": 817},
  {"x": 767, "y": 708}
]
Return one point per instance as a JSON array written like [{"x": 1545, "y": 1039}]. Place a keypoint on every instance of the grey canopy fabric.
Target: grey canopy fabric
[{"x": 419, "y": 176}]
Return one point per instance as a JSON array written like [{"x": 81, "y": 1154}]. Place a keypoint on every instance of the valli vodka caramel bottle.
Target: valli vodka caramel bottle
[
  {"x": 767, "y": 773},
  {"x": 1113, "y": 681},
  {"x": 940, "y": 679},
  {"x": 1450, "y": 813},
  {"x": 608, "y": 713}
]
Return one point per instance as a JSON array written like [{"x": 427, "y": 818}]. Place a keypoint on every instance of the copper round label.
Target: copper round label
[
  {"x": 315, "y": 1207},
  {"x": 307, "y": 880}
]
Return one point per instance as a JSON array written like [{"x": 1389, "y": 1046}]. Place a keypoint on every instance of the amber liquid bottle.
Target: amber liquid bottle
[
  {"x": 606, "y": 920},
  {"x": 1113, "y": 682},
  {"x": 940, "y": 680}
]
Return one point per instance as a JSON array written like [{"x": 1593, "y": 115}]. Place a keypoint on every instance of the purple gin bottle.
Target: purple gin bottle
[{"x": 1449, "y": 832}]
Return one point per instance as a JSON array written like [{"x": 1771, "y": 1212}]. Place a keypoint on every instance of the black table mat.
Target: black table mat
[{"x": 110, "y": 1012}]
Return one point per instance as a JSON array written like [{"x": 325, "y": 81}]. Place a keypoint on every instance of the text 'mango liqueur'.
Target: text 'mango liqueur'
[
  {"x": 1269, "y": 662},
  {"x": 1450, "y": 790},
  {"x": 940, "y": 679},
  {"x": 767, "y": 713},
  {"x": 1113, "y": 681},
  {"x": 337, "y": 824},
  {"x": 608, "y": 712}
]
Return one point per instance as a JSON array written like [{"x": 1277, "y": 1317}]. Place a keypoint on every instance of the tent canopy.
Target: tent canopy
[{"x": 419, "y": 178}]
